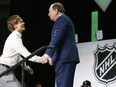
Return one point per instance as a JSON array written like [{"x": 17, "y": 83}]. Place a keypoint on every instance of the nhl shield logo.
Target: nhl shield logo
[{"x": 105, "y": 64}]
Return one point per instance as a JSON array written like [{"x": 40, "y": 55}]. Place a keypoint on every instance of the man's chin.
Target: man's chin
[{"x": 23, "y": 29}]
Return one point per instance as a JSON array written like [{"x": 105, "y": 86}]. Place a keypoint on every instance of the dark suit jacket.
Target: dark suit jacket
[{"x": 63, "y": 40}]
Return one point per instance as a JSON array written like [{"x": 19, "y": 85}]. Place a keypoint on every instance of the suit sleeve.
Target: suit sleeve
[{"x": 59, "y": 30}]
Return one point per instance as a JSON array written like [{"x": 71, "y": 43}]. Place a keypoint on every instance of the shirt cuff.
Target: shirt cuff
[
  {"x": 46, "y": 55},
  {"x": 27, "y": 67}
]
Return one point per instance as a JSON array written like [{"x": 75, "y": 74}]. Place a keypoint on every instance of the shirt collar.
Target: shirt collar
[
  {"x": 17, "y": 33},
  {"x": 59, "y": 15}
]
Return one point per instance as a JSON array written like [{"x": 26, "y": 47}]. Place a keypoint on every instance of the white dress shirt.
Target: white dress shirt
[{"x": 13, "y": 49}]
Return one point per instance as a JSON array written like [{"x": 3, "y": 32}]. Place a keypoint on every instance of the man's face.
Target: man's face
[
  {"x": 20, "y": 26},
  {"x": 52, "y": 13}
]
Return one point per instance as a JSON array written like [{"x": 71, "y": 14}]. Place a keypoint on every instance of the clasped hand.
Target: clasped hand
[{"x": 44, "y": 60}]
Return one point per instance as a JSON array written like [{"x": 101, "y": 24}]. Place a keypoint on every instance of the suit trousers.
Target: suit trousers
[
  {"x": 64, "y": 74},
  {"x": 8, "y": 80}
]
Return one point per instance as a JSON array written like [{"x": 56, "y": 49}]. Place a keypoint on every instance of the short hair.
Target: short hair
[
  {"x": 86, "y": 83},
  {"x": 12, "y": 20},
  {"x": 59, "y": 7}
]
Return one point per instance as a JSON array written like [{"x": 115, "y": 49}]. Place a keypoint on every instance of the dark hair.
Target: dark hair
[
  {"x": 86, "y": 83},
  {"x": 59, "y": 7}
]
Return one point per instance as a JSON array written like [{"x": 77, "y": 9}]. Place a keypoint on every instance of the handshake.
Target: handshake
[{"x": 45, "y": 59}]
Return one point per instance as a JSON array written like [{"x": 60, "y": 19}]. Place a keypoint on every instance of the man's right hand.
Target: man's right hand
[
  {"x": 50, "y": 61},
  {"x": 44, "y": 60}
]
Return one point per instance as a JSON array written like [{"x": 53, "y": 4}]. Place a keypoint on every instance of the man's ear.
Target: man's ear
[{"x": 57, "y": 12}]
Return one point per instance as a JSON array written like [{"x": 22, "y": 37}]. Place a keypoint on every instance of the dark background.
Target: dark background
[{"x": 38, "y": 28}]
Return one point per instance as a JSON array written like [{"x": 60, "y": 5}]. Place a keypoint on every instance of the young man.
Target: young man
[{"x": 13, "y": 49}]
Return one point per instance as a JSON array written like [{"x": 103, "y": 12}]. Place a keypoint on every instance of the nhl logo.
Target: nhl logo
[{"x": 105, "y": 64}]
